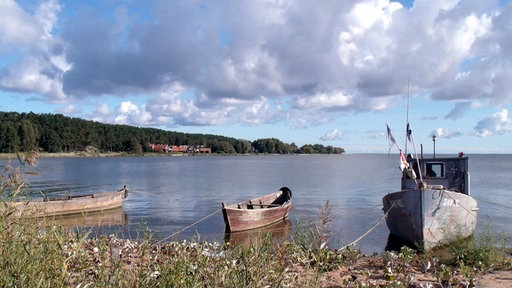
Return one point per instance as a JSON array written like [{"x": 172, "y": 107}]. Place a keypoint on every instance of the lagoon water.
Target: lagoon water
[{"x": 167, "y": 194}]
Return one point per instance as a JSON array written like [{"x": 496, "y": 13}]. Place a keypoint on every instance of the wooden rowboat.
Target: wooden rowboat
[
  {"x": 66, "y": 205},
  {"x": 258, "y": 212}
]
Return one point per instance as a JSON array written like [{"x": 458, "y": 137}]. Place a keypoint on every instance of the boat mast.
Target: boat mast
[
  {"x": 407, "y": 114},
  {"x": 408, "y": 132}
]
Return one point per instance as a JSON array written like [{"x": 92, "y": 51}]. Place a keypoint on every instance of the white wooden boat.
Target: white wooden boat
[{"x": 65, "y": 205}]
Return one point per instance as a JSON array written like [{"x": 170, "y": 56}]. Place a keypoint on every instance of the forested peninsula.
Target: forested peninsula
[{"x": 56, "y": 133}]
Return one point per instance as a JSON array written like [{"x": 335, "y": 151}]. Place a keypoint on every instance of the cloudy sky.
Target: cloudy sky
[{"x": 324, "y": 72}]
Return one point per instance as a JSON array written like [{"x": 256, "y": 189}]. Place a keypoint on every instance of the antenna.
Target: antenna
[{"x": 434, "y": 142}]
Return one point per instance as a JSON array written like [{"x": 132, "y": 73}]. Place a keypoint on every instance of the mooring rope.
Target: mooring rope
[
  {"x": 371, "y": 229},
  {"x": 185, "y": 228},
  {"x": 141, "y": 191},
  {"x": 463, "y": 207},
  {"x": 493, "y": 203}
]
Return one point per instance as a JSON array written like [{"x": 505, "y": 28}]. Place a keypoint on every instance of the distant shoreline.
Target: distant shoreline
[{"x": 65, "y": 155}]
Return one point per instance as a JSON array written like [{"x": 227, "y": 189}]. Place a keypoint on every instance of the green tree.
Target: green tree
[
  {"x": 225, "y": 147},
  {"x": 9, "y": 141},
  {"x": 307, "y": 149},
  {"x": 50, "y": 141},
  {"x": 27, "y": 136},
  {"x": 242, "y": 146}
]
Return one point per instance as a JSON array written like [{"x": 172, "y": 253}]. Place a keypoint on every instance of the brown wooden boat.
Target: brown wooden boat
[
  {"x": 258, "y": 212},
  {"x": 66, "y": 205}
]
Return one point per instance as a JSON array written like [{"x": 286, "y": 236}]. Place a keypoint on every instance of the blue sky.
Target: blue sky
[{"x": 329, "y": 72}]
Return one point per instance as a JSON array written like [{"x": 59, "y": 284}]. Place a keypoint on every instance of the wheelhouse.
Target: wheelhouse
[{"x": 450, "y": 173}]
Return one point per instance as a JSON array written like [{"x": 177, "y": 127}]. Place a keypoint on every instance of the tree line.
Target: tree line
[{"x": 53, "y": 133}]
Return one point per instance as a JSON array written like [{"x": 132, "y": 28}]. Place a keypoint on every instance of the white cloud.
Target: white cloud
[
  {"x": 102, "y": 109},
  {"x": 261, "y": 62},
  {"x": 332, "y": 135},
  {"x": 40, "y": 63},
  {"x": 16, "y": 26},
  {"x": 69, "y": 110},
  {"x": 337, "y": 100},
  {"x": 499, "y": 123},
  {"x": 127, "y": 112},
  {"x": 446, "y": 133}
]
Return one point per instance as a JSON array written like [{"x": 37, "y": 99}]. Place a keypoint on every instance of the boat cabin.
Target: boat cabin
[{"x": 450, "y": 173}]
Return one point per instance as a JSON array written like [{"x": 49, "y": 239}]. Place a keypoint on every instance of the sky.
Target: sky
[{"x": 324, "y": 72}]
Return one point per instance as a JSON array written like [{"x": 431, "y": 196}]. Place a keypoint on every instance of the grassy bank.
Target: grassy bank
[{"x": 34, "y": 253}]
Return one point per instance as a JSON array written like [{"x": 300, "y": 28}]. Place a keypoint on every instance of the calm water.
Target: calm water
[{"x": 171, "y": 193}]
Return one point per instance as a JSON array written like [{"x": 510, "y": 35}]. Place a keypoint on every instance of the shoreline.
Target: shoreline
[{"x": 71, "y": 155}]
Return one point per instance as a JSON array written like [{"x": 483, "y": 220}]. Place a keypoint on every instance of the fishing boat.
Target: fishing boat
[
  {"x": 258, "y": 212},
  {"x": 434, "y": 206},
  {"x": 66, "y": 205}
]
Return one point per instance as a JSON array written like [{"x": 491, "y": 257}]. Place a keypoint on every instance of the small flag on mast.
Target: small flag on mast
[
  {"x": 403, "y": 162},
  {"x": 391, "y": 139},
  {"x": 408, "y": 132}
]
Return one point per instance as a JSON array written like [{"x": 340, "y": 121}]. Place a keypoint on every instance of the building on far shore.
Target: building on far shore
[{"x": 182, "y": 149}]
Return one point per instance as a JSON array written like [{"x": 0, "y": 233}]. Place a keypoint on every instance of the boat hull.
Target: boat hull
[
  {"x": 69, "y": 205},
  {"x": 257, "y": 212},
  {"x": 428, "y": 218}
]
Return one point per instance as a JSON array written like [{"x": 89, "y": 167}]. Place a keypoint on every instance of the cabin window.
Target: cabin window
[{"x": 435, "y": 170}]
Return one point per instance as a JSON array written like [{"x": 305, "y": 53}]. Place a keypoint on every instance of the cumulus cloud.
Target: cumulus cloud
[
  {"x": 41, "y": 63},
  {"x": 70, "y": 109},
  {"x": 16, "y": 26},
  {"x": 499, "y": 123},
  {"x": 334, "y": 134},
  {"x": 445, "y": 133},
  {"x": 127, "y": 112},
  {"x": 262, "y": 62}
]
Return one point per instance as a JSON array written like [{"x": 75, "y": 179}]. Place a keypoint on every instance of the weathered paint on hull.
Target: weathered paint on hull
[
  {"x": 429, "y": 218},
  {"x": 258, "y": 212},
  {"x": 74, "y": 205},
  {"x": 245, "y": 219}
]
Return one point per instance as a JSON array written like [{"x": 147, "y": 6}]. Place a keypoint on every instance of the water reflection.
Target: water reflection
[
  {"x": 279, "y": 232},
  {"x": 92, "y": 219}
]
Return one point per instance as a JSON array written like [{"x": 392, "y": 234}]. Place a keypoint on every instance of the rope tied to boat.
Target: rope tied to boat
[
  {"x": 371, "y": 229},
  {"x": 187, "y": 227},
  {"x": 463, "y": 207}
]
